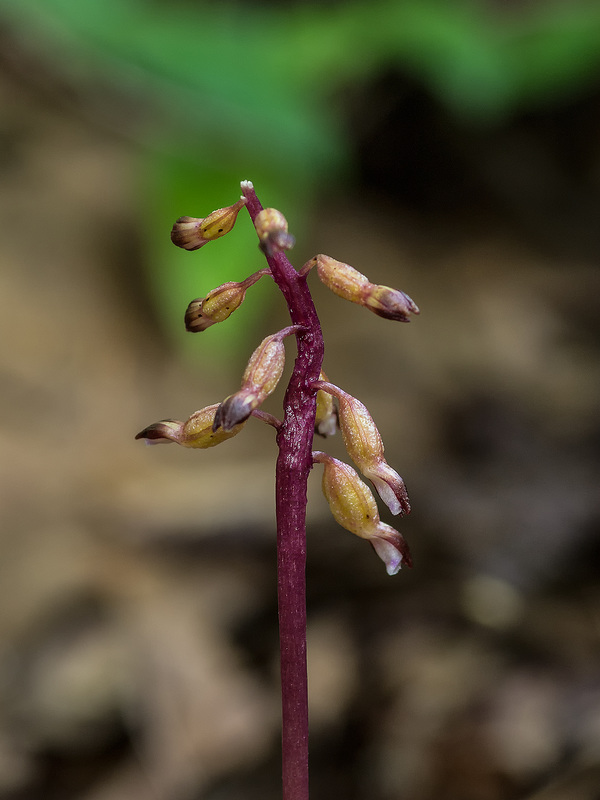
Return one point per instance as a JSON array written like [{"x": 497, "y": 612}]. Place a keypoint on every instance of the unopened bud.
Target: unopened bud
[
  {"x": 191, "y": 233},
  {"x": 260, "y": 378},
  {"x": 195, "y": 432},
  {"x": 365, "y": 447},
  {"x": 220, "y": 303},
  {"x": 272, "y": 229},
  {"x": 353, "y": 507},
  {"x": 215, "y": 307},
  {"x": 326, "y": 418},
  {"x": 349, "y": 283}
]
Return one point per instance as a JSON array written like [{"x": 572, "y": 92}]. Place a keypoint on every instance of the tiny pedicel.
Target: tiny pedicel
[{"x": 309, "y": 407}]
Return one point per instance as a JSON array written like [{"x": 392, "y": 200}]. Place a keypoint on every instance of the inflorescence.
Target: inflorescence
[{"x": 350, "y": 499}]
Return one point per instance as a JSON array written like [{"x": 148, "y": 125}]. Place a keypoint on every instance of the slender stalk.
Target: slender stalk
[{"x": 294, "y": 439}]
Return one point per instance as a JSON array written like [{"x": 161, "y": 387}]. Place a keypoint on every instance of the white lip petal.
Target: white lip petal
[{"x": 390, "y": 555}]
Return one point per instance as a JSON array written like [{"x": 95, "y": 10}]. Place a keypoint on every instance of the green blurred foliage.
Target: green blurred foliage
[{"x": 247, "y": 90}]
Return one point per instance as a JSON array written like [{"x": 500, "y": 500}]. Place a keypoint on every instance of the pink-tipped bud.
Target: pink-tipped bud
[
  {"x": 326, "y": 418},
  {"x": 353, "y": 507},
  {"x": 260, "y": 378},
  {"x": 191, "y": 233},
  {"x": 195, "y": 432},
  {"x": 365, "y": 447},
  {"x": 272, "y": 229},
  {"x": 352, "y": 285},
  {"x": 218, "y": 304}
]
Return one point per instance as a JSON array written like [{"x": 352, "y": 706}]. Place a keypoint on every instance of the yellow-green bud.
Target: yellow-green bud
[
  {"x": 272, "y": 229},
  {"x": 260, "y": 378},
  {"x": 195, "y": 432},
  {"x": 218, "y": 304},
  {"x": 353, "y": 507},
  {"x": 342, "y": 279},
  {"x": 349, "y": 283},
  {"x": 191, "y": 233}
]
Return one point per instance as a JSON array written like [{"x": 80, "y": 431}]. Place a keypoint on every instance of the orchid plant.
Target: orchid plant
[{"x": 309, "y": 407}]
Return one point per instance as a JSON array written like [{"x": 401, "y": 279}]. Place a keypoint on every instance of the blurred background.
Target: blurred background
[{"x": 449, "y": 148}]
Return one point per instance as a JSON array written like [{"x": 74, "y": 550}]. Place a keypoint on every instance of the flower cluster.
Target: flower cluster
[{"x": 351, "y": 501}]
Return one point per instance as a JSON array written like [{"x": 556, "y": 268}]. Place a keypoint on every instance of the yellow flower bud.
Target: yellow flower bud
[
  {"x": 265, "y": 366},
  {"x": 215, "y": 307},
  {"x": 191, "y": 233},
  {"x": 272, "y": 229},
  {"x": 195, "y": 432},
  {"x": 365, "y": 447},
  {"x": 353, "y": 507},
  {"x": 342, "y": 279}
]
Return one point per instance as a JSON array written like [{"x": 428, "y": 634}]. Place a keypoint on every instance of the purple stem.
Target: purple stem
[{"x": 294, "y": 439}]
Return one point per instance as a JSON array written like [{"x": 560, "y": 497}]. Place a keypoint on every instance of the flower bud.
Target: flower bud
[
  {"x": 260, "y": 378},
  {"x": 352, "y": 285},
  {"x": 353, "y": 507},
  {"x": 365, "y": 447},
  {"x": 272, "y": 229},
  {"x": 191, "y": 233},
  {"x": 196, "y": 432},
  {"x": 326, "y": 419},
  {"x": 215, "y": 307}
]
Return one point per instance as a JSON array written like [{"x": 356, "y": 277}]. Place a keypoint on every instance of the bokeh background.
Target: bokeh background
[{"x": 449, "y": 148}]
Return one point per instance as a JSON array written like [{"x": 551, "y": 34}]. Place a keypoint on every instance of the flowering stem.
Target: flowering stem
[{"x": 294, "y": 440}]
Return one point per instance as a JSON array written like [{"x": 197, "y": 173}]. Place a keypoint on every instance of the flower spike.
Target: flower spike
[
  {"x": 191, "y": 233},
  {"x": 365, "y": 447},
  {"x": 354, "y": 508}
]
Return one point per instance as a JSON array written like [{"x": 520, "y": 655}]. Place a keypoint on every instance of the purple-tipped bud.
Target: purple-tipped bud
[
  {"x": 353, "y": 507},
  {"x": 191, "y": 233},
  {"x": 349, "y": 283},
  {"x": 365, "y": 447},
  {"x": 272, "y": 229},
  {"x": 196, "y": 432}
]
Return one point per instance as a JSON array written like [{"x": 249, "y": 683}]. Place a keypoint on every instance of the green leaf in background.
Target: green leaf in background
[{"x": 242, "y": 90}]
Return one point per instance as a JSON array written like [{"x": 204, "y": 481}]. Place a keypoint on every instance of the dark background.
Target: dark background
[{"x": 450, "y": 149}]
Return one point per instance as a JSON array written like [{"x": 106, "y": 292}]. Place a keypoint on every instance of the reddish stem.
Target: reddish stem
[{"x": 294, "y": 439}]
